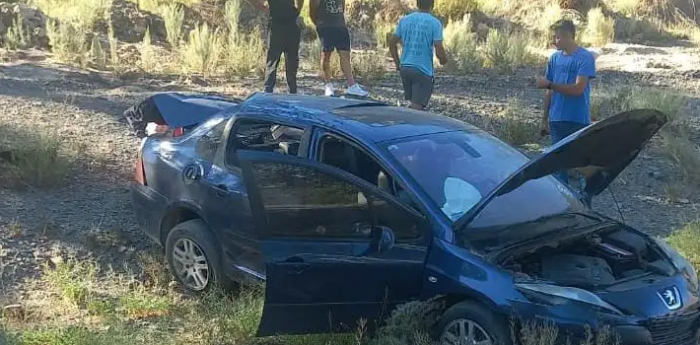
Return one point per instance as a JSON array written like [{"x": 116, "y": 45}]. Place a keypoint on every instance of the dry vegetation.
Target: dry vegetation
[{"x": 83, "y": 302}]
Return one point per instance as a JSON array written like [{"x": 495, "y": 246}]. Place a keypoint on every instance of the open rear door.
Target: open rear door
[{"x": 326, "y": 262}]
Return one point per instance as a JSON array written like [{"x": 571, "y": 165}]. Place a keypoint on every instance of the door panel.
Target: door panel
[{"x": 316, "y": 236}]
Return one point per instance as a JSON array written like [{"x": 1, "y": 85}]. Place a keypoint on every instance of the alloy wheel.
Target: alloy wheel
[
  {"x": 465, "y": 332},
  {"x": 191, "y": 265}
]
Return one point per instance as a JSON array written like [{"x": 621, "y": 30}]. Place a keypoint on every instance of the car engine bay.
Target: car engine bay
[{"x": 595, "y": 260}]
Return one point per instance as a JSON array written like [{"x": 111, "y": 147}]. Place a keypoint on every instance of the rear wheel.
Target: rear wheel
[
  {"x": 470, "y": 323},
  {"x": 192, "y": 257}
]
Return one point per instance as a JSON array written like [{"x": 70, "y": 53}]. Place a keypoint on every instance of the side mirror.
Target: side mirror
[{"x": 385, "y": 239}]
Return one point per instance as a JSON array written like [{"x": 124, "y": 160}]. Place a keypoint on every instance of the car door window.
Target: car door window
[
  {"x": 404, "y": 225},
  {"x": 303, "y": 202},
  {"x": 348, "y": 157}
]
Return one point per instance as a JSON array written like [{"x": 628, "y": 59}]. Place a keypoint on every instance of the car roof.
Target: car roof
[{"x": 372, "y": 120}]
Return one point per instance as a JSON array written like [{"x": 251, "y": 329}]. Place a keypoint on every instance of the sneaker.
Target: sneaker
[
  {"x": 357, "y": 90},
  {"x": 330, "y": 90}
]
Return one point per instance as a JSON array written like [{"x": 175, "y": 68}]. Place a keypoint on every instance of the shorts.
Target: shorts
[
  {"x": 334, "y": 38},
  {"x": 417, "y": 86}
]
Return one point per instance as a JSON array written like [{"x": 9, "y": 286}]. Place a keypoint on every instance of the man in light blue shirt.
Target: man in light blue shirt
[
  {"x": 418, "y": 33},
  {"x": 567, "y": 99}
]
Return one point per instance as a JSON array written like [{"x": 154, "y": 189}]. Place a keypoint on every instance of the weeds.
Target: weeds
[
  {"x": 148, "y": 59},
  {"x": 685, "y": 240},
  {"x": 202, "y": 52},
  {"x": 68, "y": 42},
  {"x": 515, "y": 127},
  {"x": 462, "y": 45},
  {"x": 599, "y": 30},
  {"x": 82, "y": 14},
  {"x": 16, "y": 37},
  {"x": 173, "y": 16},
  {"x": 454, "y": 9},
  {"x": 505, "y": 53},
  {"x": 73, "y": 280},
  {"x": 368, "y": 67}
]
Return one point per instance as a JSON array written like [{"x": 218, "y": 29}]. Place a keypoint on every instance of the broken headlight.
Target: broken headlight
[
  {"x": 680, "y": 263},
  {"x": 559, "y": 295}
]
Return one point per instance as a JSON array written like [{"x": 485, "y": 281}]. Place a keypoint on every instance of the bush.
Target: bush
[
  {"x": 454, "y": 9},
  {"x": 600, "y": 30},
  {"x": 515, "y": 127},
  {"x": 461, "y": 45},
  {"x": 173, "y": 16},
  {"x": 686, "y": 242},
  {"x": 202, "y": 52},
  {"x": 68, "y": 42}
]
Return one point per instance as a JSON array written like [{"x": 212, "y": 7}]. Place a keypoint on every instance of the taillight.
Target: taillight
[
  {"x": 140, "y": 171},
  {"x": 164, "y": 130}
]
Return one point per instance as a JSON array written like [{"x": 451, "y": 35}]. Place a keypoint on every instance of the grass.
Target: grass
[
  {"x": 514, "y": 126},
  {"x": 685, "y": 240},
  {"x": 83, "y": 14},
  {"x": 36, "y": 160},
  {"x": 599, "y": 30},
  {"x": 173, "y": 17},
  {"x": 462, "y": 45}
]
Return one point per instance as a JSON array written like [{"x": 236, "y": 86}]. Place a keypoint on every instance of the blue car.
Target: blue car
[{"x": 345, "y": 209}]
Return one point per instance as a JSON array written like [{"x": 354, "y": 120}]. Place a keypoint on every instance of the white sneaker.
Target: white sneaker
[
  {"x": 357, "y": 90},
  {"x": 330, "y": 90}
]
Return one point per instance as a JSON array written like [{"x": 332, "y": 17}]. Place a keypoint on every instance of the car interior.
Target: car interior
[
  {"x": 343, "y": 155},
  {"x": 265, "y": 136}
]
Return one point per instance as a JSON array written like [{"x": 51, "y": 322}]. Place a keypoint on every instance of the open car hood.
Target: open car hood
[
  {"x": 182, "y": 110},
  {"x": 600, "y": 152}
]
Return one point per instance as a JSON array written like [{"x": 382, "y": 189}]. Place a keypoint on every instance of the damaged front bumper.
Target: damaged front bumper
[{"x": 647, "y": 318}]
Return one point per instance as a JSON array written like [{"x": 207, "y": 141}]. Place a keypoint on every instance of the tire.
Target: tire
[
  {"x": 194, "y": 239},
  {"x": 487, "y": 321}
]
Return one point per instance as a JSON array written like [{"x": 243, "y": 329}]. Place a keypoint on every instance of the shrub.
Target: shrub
[
  {"x": 173, "y": 16},
  {"x": 454, "y": 9},
  {"x": 515, "y": 127},
  {"x": 368, "y": 67},
  {"x": 462, "y": 46},
  {"x": 506, "y": 53},
  {"x": 686, "y": 241},
  {"x": 202, "y": 52},
  {"x": 16, "y": 37},
  {"x": 68, "y": 42},
  {"x": 600, "y": 30}
]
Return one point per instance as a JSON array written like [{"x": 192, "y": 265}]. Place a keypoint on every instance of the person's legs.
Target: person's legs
[
  {"x": 291, "y": 54},
  {"x": 407, "y": 83},
  {"x": 325, "y": 36},
  {"x": 274, "y": 52},
  {"x": 343, "y": 46}
]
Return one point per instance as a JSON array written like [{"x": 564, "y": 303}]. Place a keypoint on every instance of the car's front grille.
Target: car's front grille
[{"x": 674, "y": 330}]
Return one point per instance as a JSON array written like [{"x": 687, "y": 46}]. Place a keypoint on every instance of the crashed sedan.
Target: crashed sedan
[{"x": 348, "y": 208}]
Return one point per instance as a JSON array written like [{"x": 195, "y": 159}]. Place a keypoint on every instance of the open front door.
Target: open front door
[{"x": 335, "y": 251}]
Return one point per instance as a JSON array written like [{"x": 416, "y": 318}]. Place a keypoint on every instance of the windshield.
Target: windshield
[{"x": 457, "y": 169}]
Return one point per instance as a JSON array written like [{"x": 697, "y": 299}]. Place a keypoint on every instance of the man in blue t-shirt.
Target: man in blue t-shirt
[
  {"x": 418, "y": 33},
  {"x": 567, "y": 99}
]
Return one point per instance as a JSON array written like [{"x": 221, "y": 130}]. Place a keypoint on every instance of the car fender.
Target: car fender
[
  {"x": 456, "y": 272},
  {"x": 178, "y": 212}
]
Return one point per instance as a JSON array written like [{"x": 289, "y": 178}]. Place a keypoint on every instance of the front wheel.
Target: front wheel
[{"x": 470, "y": 323}]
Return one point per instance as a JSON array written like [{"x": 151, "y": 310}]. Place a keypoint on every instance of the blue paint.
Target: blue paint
[{"x": 309, "y": 277}]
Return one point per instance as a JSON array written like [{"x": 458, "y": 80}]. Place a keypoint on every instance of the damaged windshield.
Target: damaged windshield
[{"x": 458, "y": 169}]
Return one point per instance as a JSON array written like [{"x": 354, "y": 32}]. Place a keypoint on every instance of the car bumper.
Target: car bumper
[
  {"x": 574, "y": 325},
  {"x": 149, "y": 208}
]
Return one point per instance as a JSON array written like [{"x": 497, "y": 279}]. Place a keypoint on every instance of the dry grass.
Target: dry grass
[
  {"x": 514, "y": 126},
  {"x": 685, "y": 240},
  {"x": 599, "y": 30},
  {"x": 462, "y": 45},
  {"x": 82, "y": 14},
  {"x": 68, "y": 42},
  {"x": 454, "y": 9},
  {"x": 173, "y": 16},
  {"x": 202, "y": 51},
  {"x": 37, "y": 160}
]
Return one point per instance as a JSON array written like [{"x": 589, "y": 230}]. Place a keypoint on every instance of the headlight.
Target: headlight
[
  {"x": 560, "y": 295},
  {"x": 679, "y": 262}
]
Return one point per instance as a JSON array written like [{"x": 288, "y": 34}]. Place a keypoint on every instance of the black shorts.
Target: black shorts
[
  {"x": 334, "y": 38},
  {"x": 417, "y": 86}
]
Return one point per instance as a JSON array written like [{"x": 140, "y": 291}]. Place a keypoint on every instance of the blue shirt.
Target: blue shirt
[
  {"x": 563, "y": 69},
  {"x": 418, "y": 32}
]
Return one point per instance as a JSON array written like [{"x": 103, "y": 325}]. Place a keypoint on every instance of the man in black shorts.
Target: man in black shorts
[
  {"x": 285, "y": 36},
  {"x": 329, "y": 18},
  {"x": 418, "y": 33}
]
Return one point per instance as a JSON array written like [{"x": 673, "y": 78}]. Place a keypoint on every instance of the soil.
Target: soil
[{"x": 92, "y": 213}]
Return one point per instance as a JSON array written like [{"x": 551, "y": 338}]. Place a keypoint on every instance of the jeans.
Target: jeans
[
  {"x": 558, "y": 131},
  {"x": 284, "y": 38}
]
